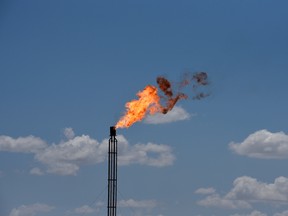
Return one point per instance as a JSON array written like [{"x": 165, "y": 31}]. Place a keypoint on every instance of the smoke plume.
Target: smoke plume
[
  {"x": 149, "y": 100},
  {"x": 196, "y": 79}
]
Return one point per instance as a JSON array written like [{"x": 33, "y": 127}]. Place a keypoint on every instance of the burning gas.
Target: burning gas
[
  {"x": 149, "y": 100},
  {"x": 136, "y": 109}
]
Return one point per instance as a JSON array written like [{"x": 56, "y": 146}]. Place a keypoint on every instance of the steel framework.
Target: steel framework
[{"x": 112, "y": 173}]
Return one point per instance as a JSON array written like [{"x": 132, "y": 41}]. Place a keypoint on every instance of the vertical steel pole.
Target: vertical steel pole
[{"x": 112, "y": 173}]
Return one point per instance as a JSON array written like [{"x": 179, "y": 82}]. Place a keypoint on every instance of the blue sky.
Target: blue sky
[{"x": 67, "y": 69}]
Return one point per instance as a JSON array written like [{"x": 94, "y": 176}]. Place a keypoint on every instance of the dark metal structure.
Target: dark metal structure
[{"x": 112, "y": 173}]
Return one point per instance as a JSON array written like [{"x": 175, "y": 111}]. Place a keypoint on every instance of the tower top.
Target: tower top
[{"x": 112, "y": 131}]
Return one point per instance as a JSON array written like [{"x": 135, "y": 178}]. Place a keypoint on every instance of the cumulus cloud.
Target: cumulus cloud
[
  {"x": 29, "y": 144},
  {"x": 246, "y": 191},
  {"x": 209, "y": 190},
  {"x": 30, "y": 210},
  {"x": 248, "y": 188},
  {"x": 150, "y": 154},
  {"x": 36, "y": 171},
  {"x": 285, "y": 213},
  {"x": 66, "y": 157},
  {"x": 85, "y": 209},
  {"x": 141, "y": 205},
  {"x": 176, "y": 114},
  {"x": 263, "y": 144},
  {"x": 131, "y": 203},
  {"x": 215, "y": 200},
  {"x": 69, "y": 133},
  {"x": 258, "y": 213},
  {"x": 253, "y": 213}
]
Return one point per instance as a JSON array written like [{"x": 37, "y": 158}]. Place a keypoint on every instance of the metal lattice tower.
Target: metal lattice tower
[{"x": 112, "y": 173}]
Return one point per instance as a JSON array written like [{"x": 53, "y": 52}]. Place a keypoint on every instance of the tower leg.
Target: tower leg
[{"x": 112, "y": 173}]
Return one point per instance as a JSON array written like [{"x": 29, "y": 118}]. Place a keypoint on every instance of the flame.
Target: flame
[{"x": 149, "y": 101}]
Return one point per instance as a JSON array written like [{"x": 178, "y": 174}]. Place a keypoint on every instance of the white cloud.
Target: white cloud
[
  {"x": 30, "y": 210},
  {"x": 29, "y": 144},
  {"x": 204, "y": 191},
  {"x": 285, "y": 213},
  {"x": 85, "y": 209},
  {"x": 66, "y": 157},
  {"x": 131, "y": 203},
  {"x": 263, "y": 144},
  {"x": 69, "y": 133},
  {"x": 215, "y": 200},
  {"x": 36, "y": 171},
  {"x": 141, "y": 205},
  {"x": 176, "y": 114},
  {"x": 247, "y": 190},
  {"x": 150, "y": 154},
  {"x": 253, "y": 213}
]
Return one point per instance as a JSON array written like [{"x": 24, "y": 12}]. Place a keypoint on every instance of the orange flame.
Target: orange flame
[
  {"x": 149, "y": 100},
  {"x": 136, "y": 109}
]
